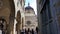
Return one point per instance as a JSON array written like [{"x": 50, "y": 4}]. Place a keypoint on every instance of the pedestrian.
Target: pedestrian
[
  {"x": 25, "y": 31},
  {"x": 37, "y": 30},
  {"x": 32, "y": 31},
  {"x": 28, "y": 30},
  {"x": 22, "y": 32}
]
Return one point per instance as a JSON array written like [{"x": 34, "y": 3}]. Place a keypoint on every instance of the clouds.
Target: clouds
[{"x": 32, "y": 4}]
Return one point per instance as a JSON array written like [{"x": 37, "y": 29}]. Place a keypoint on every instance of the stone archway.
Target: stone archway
[
  {"x": 7, "y": 10},
  {"x": 11, "y": 17}
]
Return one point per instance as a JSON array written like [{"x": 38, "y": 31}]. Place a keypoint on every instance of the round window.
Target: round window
[{"x": 28, "y": 22}]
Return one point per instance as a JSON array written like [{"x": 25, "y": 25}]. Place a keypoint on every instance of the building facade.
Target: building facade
[
  {"x": 30, "y": 18},
  {"x": 48, "y": 16}
]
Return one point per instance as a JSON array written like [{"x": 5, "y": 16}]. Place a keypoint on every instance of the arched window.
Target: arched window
[{"x": 18, "y": 17}]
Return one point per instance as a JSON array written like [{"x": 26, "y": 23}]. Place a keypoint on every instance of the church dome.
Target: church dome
[{"x": 28, "y": 7}]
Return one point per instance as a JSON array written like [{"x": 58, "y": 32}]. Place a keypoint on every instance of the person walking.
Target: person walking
[
  {"x": 32, "y": 31},
  {"x": 37, "y": 30},
  {"x": 28, "y": 30}
]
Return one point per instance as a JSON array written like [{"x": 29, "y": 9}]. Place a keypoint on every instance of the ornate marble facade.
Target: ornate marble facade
[{"x": 30, "y": 18}]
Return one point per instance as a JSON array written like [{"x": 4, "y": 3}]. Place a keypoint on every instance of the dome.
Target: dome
[{"x": 28, "y": 7}]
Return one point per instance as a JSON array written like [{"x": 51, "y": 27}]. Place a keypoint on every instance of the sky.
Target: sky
[{"x": 32, "y": 4}]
